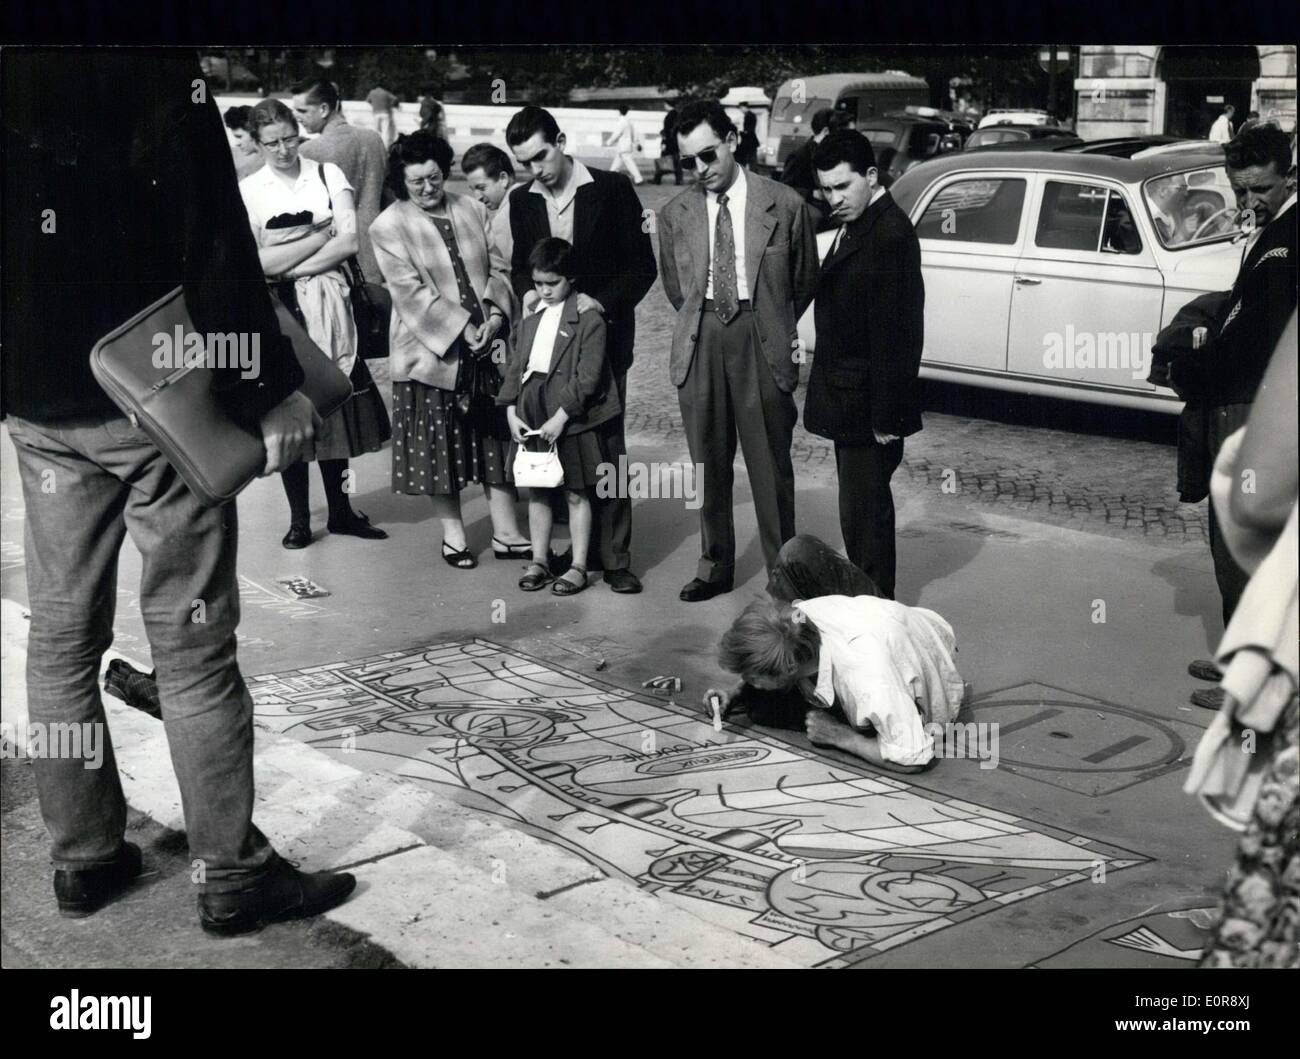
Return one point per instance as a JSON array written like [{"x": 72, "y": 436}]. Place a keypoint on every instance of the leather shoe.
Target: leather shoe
[
  {"x": 1204, "y": 669},
  {"x": 82, "y": 893},
  {"x": 622, "y": 581},
  {"x": 1208, "y": 698},
  {"x": 281, "y": 894},
  {"x": 698, "y": 591},
  {"x": 357, "y": 525},
  {"x": 299, "y": 536}
]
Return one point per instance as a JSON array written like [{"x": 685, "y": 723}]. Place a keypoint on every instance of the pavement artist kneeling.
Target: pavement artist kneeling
[{"x": 825, "y": 645}]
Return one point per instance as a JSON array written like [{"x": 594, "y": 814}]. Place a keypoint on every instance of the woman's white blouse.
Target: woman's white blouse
[{"x": 266, "y": 195}]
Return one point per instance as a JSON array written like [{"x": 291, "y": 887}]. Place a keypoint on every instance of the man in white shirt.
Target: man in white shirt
[
  {"x": 625, "y": 145},
  {"x": 738, "y": 255},
  {"x": 1221, "y": 130}
]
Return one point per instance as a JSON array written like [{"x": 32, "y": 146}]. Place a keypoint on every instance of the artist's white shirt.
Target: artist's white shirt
[
  {"x": 737, "y": 196},
  {"x": 887, "y": 665},
  {"x": 539, "y": 356}
]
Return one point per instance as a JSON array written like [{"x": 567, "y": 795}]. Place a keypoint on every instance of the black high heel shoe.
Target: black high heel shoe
[{"x": 461, "y": 560}]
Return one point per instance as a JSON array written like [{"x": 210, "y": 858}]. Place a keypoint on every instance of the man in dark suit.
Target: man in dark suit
[
  {"x": 599, "y": 214},
  {"x": 798, "y": 172},
  {"x": 118, "y": 185},
  {"x": 1227, "y": 374},
  {"x": 739, "y": 260},
  {"x": 870, "y": 318}
]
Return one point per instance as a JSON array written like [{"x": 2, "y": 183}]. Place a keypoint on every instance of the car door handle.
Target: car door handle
[{"x": 1027, "y": 281}]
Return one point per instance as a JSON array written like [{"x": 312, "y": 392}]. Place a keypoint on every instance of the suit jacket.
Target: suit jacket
[
  {"x": 144, "y": 197},
  {"x": 780, "y": 261},
  {"x": 612, "y": 257},
  {"x": 870, "y": 318},
  {"x": 361, "y": 154},
  {"x": 1253, "y": 317},
  {"x": 579, "y": 380},
  {"x": 428, "y": 317}
]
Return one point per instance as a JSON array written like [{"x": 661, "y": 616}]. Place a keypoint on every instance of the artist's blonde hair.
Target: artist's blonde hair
[{"x": 769, "y": 640}]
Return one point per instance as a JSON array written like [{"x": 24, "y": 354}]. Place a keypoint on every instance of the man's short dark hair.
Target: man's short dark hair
[
  {"x": 552, "y": 255},
  {"x": 622, "y": 108},
  {"x": 236, "y": 118},
  {"x": 416, "y": 148},
  {"x": 528, "y": 122},
  {"x": 1259, "y": 145},
  {"x": 318, "y": 90},
  {"x": 489, "y": 158},
  {"x": 821, "y": 119},
  {"x": 696, "y": 113},
  {"x": 1228, "y": 108},
  {"x": 844, "y": 146}
]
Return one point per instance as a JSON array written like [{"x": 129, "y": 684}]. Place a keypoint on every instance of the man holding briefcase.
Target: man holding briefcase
[{"x": 118, "y": 184}]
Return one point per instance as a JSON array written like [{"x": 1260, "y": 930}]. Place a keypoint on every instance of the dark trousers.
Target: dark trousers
[
  {"x": 1225, "y": 420},
  {"x": 867, "y": 508},
  {"x": 614, "y": 514},
  {"x": 730, "y": 393}
]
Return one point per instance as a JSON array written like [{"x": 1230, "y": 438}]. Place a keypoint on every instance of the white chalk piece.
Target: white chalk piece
[{"x": 715, "y": 702}]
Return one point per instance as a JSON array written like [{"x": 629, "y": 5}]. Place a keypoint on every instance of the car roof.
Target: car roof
[
  {"x": 1127, "y": 170},
  {"x": 901, "y": 121},
  {"x": 829, "y": 86}
]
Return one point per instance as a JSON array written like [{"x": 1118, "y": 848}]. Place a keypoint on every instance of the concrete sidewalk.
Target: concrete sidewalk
[{"x": 1097, "y": 735}]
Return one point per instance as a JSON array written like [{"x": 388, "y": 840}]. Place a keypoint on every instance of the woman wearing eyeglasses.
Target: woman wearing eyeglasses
[
  {"x": 304, "y": 220},
  {"x": 452, "y": 305}
]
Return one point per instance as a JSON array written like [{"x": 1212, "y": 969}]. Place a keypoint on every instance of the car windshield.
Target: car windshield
[
  {"x": 1192, "y": 208},
  {"x": 984, "y": 137},
  {"x": 788, "y": 109}
]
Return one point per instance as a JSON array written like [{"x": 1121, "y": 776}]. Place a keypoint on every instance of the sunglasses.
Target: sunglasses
[{"x": 708, "y": 156}]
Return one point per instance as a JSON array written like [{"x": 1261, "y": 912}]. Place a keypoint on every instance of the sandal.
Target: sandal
[
  {"x": 537, "y": 576},
  {"x": 511, "y": 551},
  {"x": 564, "y": 587},
  {"x": 461, "y": 560}
]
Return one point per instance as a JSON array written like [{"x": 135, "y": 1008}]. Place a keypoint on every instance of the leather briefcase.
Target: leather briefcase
[{"x": 177, "y": 406}]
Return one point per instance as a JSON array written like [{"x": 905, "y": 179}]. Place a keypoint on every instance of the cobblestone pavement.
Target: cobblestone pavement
[{"x": 1086, "y": 467}]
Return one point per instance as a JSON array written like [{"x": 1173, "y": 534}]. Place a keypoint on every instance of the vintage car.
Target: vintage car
[
  {"x": 1052, "y": 272},
  {"x": 1020, "y": 136}
]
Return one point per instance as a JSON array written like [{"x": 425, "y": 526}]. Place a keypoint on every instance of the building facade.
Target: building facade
[{"x": 1134, "y": 89}]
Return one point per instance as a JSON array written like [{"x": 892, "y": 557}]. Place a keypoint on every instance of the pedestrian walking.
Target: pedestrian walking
[{"x": 626, "y": 146}]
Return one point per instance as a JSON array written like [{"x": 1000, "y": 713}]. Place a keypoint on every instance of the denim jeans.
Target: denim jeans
[{"x": 87, "y": 482}]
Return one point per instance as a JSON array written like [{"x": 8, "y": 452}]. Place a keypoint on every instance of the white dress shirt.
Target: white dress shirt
[
  {"x": 887, "y": 665},
  {"x": 736, "y": 199},
  {"x": 539, "y": 356}
]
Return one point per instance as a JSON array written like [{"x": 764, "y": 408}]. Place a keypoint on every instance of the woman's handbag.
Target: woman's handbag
[
  {"x": 372, "y": 305},
  {"x": 477, "y": 384},
  {"x": 538, "y": 470}
]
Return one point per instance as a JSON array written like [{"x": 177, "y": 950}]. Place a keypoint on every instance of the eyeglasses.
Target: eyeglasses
[
  {"x": 425, "y": 182},
  {"x": 708, "y": 156},
  {"x": 287, "y": 142}
]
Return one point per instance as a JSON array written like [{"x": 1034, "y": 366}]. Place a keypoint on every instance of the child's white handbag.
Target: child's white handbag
[{"x": 538, "y": 470}]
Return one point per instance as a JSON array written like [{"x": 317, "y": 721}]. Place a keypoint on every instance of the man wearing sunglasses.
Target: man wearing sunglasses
[{"x": 738, "y": 255}]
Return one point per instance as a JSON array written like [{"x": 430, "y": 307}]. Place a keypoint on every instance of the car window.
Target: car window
[
  {"x": 881, "y": 137},
  {"x": 1192, "y": 208},
  {"x": 923, "y": 142},
  {"x": 1071, "y": 216},
  {"x": 1119, "y": 231},
  {"x": 975, "y": 211},
  {"x": 987, "y": 136}
]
